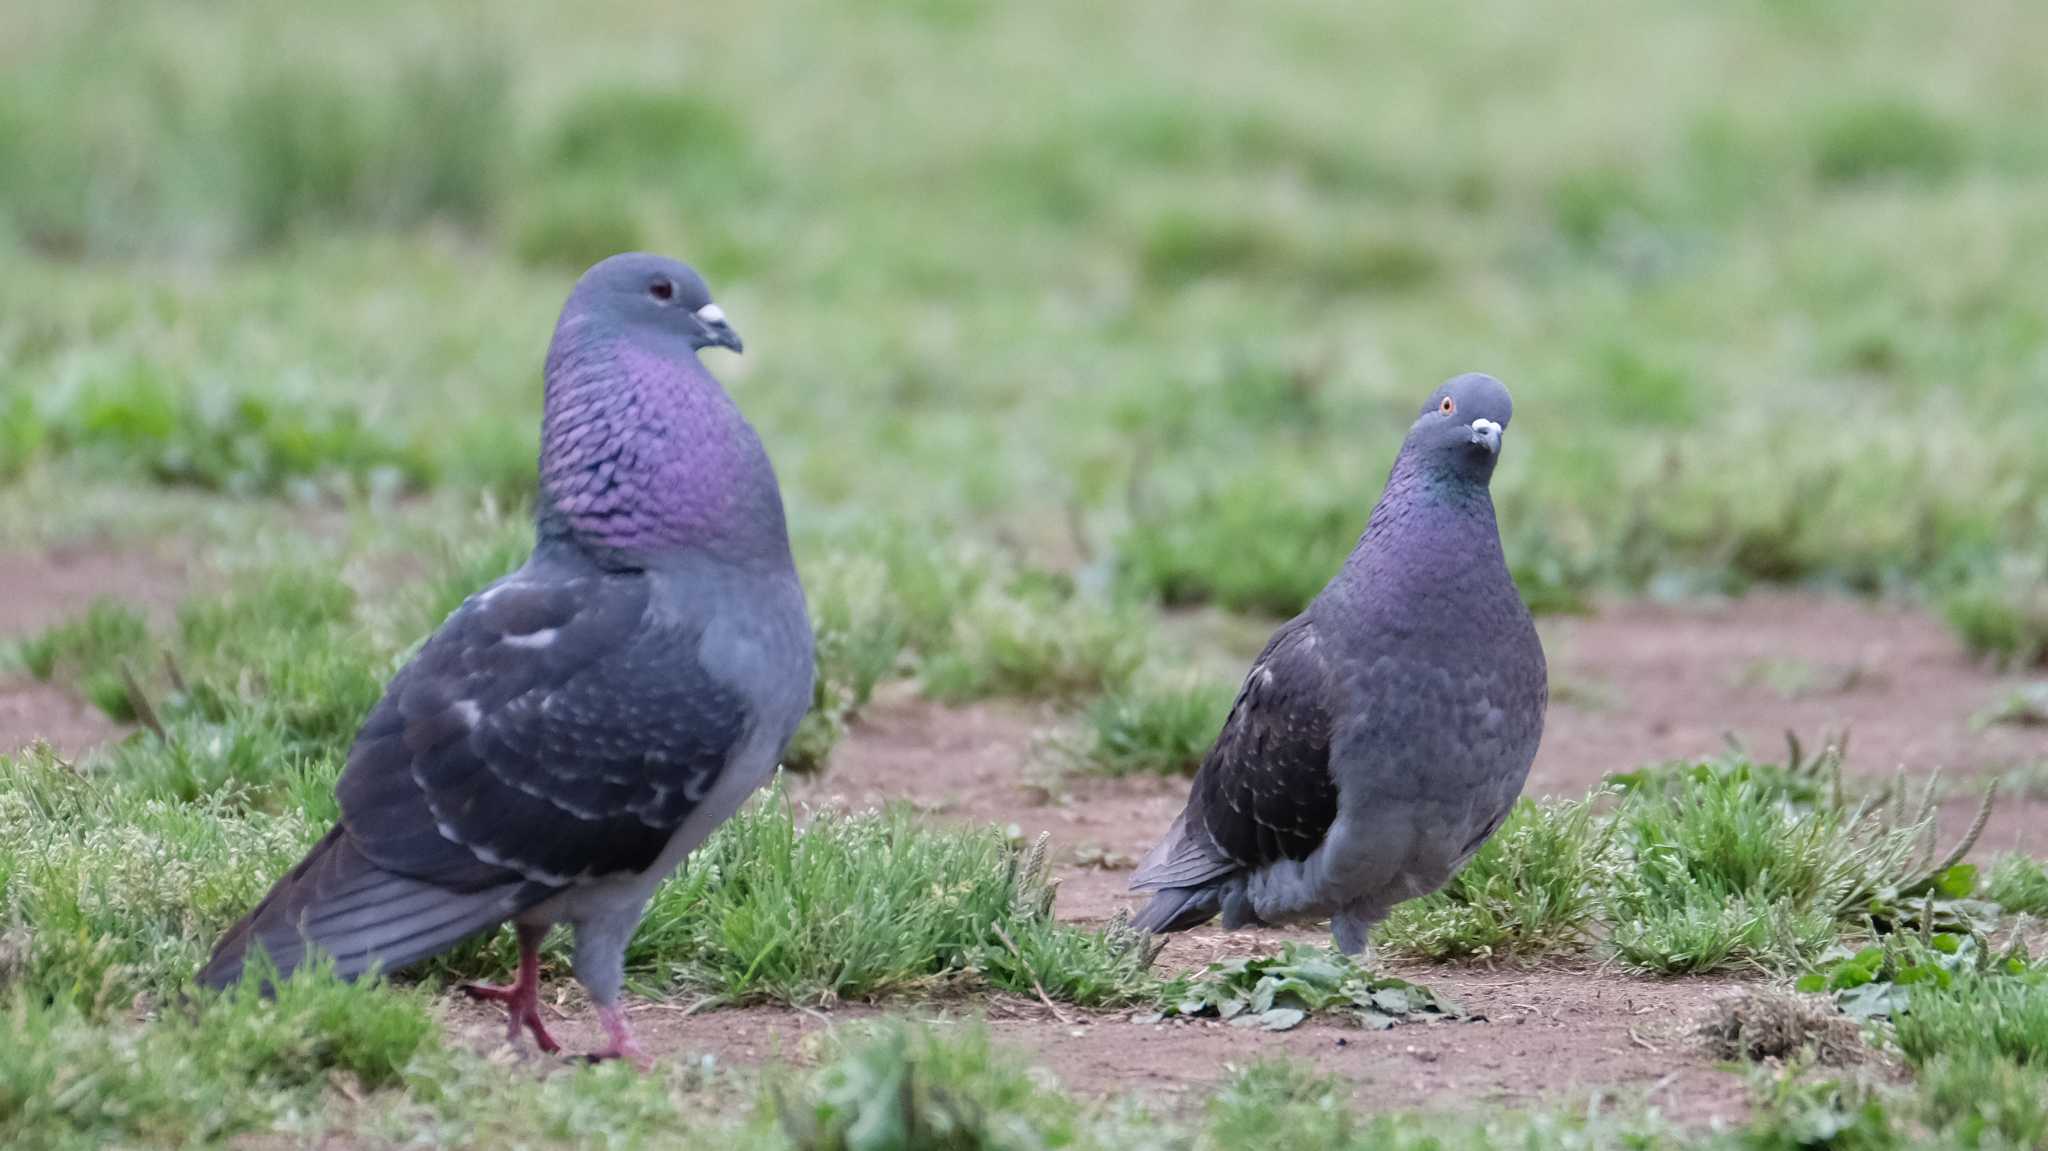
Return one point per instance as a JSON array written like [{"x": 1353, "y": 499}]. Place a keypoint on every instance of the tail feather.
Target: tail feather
[
  {"x": 1178, "y": 909},
  {"x": 1179, "y": 860},
  {"x": 338, "y": 903}
]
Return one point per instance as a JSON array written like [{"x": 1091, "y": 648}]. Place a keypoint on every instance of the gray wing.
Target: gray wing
[
  {"x": 1264, "y": 792},
  {"x": 547, "y": 733}
]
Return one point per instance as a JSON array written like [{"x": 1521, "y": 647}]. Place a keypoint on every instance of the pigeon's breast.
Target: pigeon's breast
[{"x": 1434, "y": 749}]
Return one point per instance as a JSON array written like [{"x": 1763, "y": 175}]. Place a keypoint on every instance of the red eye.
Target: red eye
[
  {"x": 1448, "y": 406},
  {"x": 662, "y": 290}
]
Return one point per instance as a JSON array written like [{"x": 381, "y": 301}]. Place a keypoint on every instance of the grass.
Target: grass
[
  {"x": 1179, "y": 336},
  {"x": 2002, "y": 615},
  {"x": 2018, "y": 884},
  {"x": 868, "y": 905},
  {"x": 1157, "y": 725},
  {"x": 1537, "y": 885},
  {"x": 1726, "y": 866}
]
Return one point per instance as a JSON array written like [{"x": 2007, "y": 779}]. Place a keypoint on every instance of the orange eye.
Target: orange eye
[{"x": 1448, "y": 406}]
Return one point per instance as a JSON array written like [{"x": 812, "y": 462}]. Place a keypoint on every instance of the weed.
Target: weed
[{"x": 1277, "y": 994}]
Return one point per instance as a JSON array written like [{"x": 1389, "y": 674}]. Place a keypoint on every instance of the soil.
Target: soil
[
  {"x": 38, "y": 590},
  {"x": 1634, "y": 683}
]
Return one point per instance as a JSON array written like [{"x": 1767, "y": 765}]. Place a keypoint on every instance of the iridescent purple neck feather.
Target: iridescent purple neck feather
[{"x": 643, "y": 455}]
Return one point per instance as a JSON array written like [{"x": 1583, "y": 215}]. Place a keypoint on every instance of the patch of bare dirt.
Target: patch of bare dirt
[
  {"x": 38, "y": 589},
  {"x": 41, "y": 589},
  {"x": 32, "y": 711},
  {"x": 1547, "y": 1035}
]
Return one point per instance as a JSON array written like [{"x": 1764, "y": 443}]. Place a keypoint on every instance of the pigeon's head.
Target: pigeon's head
[
  {"x": 1460, "y": 428},
  {"x": 653, "y": 294}
]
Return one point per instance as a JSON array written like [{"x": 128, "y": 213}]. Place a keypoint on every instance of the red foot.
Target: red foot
[
  {"x": 522, "y": 1009},
  {"x": 622, "y": 1045}
]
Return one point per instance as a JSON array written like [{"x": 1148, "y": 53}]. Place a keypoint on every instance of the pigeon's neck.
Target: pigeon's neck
[
  {"x": 644, "y": 456},
  {"x": 1432, "y": 535}
]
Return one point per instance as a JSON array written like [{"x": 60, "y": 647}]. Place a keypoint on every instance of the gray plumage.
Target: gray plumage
[
  {"x": 573, "y": 731},
  {"x": 1386, "y": 731}
]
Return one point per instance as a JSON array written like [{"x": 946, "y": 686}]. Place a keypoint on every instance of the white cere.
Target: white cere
[
  {"x": 711, "y": 314},
  {"x": 1483, "y": 425}
]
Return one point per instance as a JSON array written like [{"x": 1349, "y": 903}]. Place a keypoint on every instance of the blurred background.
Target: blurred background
[
  {"x": 1143, "y": 292},
  {"x": 1082, "y": 336}
]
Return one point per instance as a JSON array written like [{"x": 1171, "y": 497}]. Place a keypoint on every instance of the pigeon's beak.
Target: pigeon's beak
[
  {"x": 717, "y": 332},
  {"x": 1486, "y": 434}
]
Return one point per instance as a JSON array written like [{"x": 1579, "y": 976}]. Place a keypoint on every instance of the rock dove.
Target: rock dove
[
  {"x": 574, "y": 730},
  {"x": 1385, "y": 732}
]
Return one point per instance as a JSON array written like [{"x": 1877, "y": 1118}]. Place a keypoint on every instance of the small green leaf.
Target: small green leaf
[{"x": 1282, "y": 1018}]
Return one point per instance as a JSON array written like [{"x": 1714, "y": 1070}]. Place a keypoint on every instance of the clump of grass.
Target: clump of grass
[
  {"x": 1247, "y": 546},
  {"x": 110, "y": 888},
  {"x": 1281, "y": 1103},
  {"x": 1978, "y": 1100},
  {"x": 1885, "y": 139},
  {"x": 2019, "y": 885},
  {"x": 1793, "y": 1112},
  {"x": 91, "y": 653},
  {"x": 309, "y": 150},
  {"x": 312, "y": 1024},
  {"x": 1724, "y": 868},
  {"x": 243, "y": 442},
  {"x": 2002, "y": 615},
  {"x": 901, "y": 1086},
  {"x": 860, "y": 630},
  {"x": 1756, "y": 1024},
  {"x": 1154, "y": 725},
  {"x": 572, "y": 225},
  {"x": 1993, "y": 1015},
  {"x": 859, "y": 906},
  {"x": 1032, "y": 640},
  {"x": 1537, "y": 884},
  {"x": 650, "y": 132},
  {"x": 1182, "y": 246}
]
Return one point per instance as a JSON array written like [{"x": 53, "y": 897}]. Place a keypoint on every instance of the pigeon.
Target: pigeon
[
  {"x": 1386, "y": 731},
  {"x": 573, "y": 731}
]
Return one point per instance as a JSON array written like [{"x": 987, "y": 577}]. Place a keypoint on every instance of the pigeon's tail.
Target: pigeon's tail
[
  {"x": 1179, "y": 908},
  {"x": 339, "y": 903},
  {"x": 1187, "y": 877}
]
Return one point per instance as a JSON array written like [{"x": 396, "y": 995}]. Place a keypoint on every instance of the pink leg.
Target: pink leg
[
  {"x": 623, "y": 1045},
  {"x": 521, "y": 999}
]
